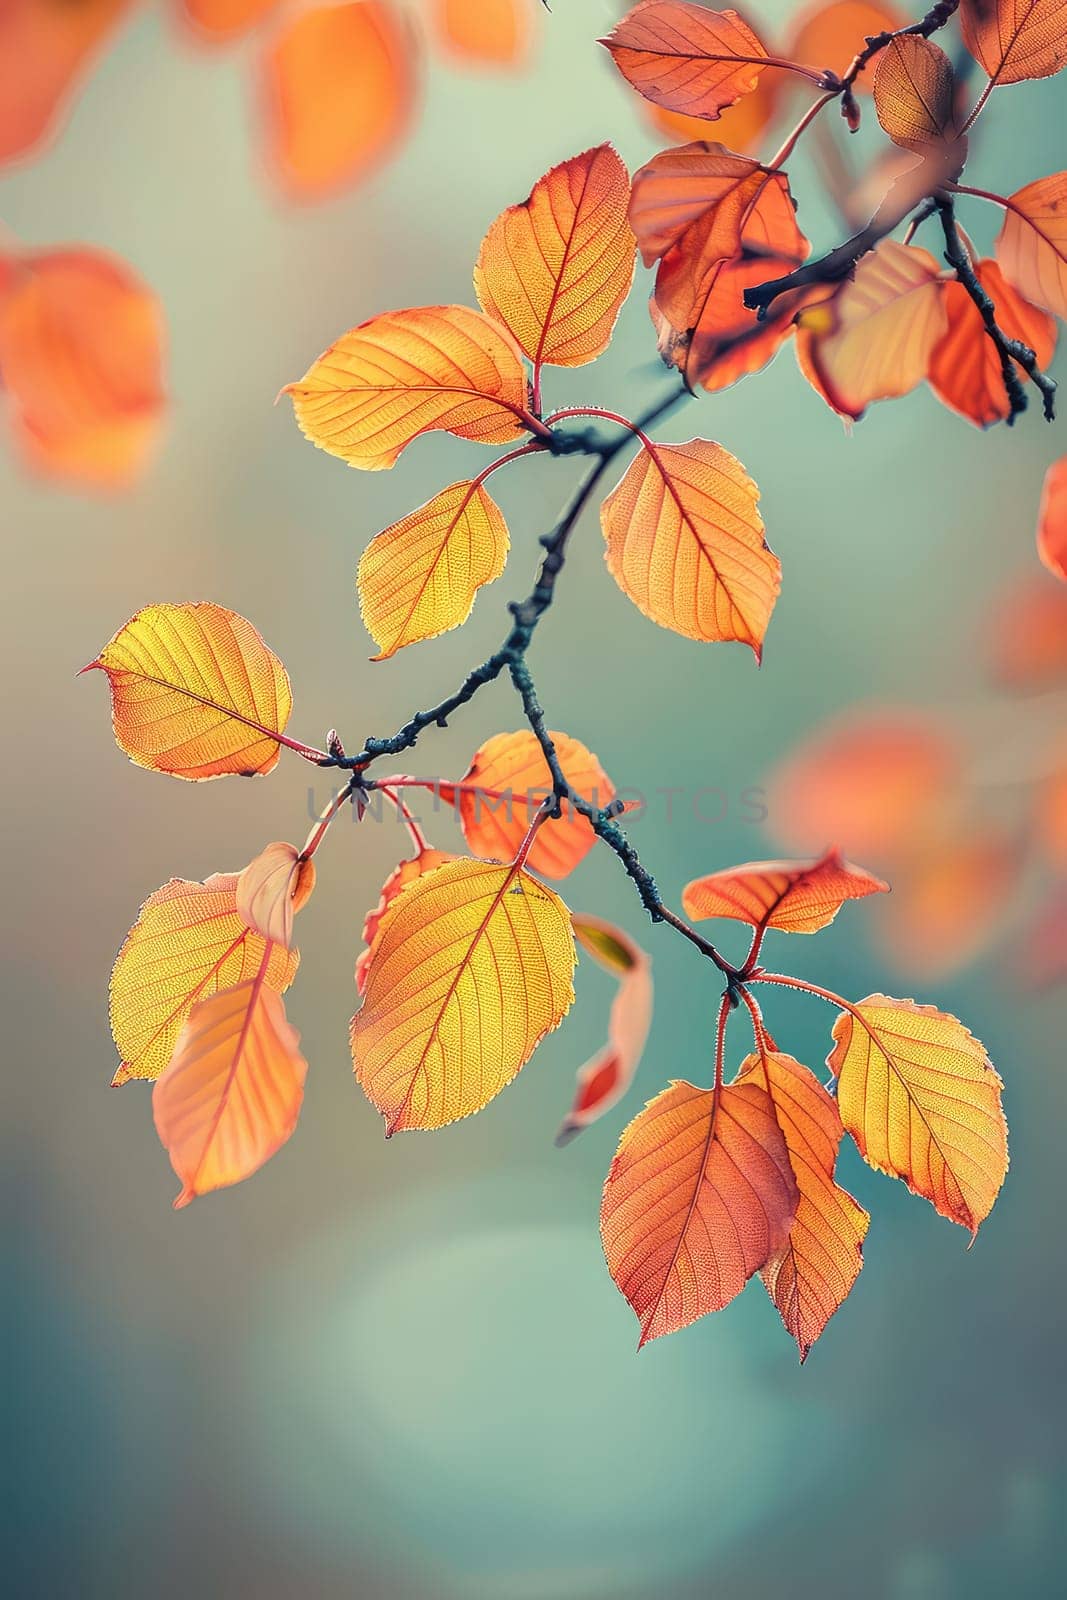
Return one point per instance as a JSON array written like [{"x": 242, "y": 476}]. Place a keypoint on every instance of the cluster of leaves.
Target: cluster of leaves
[
  {"x": 468, "y": 960},
  {"x": 338, "y": 84}
]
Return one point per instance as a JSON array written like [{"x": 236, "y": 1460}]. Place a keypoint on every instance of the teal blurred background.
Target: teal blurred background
[{"x": 401, "y": 1370}]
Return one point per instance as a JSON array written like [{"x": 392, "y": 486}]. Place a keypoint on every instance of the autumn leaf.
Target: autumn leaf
[
  {"x": 922, "y": 1100},
  {"x": 1015, "y": 40},
  {"x": 914, "y": 92},
  {"x": 338, "y": 94},
  {"x": 81, "y": 357},
  {"x": 874, "y": 338},
  {"x": 830, "y": 35},
  {"x": 272, "y": 888},
  {"x": 470, "y": 968},
  {"x": 188, "y": 943},
  {"x": 419, "y": 578},
  {"x": 793, "y": 896},
  {"x": 700, "y": 1196},
  {"x": 484, "y": 32},
  {"x": 1032, "y": 244},
  {"x": 219, "y": 21},
  {"x": 867, "y": 779},
  {"x": 195, "y": 692},
  {"x": 686, "y": 58},
  {"x": 965, "y": 371},
  {"x": 685, "y": 543},
  {"x": 949, "y": 898},
  {"x": 231, "y": 1095},
  {"x": 45, "y": 50},
  {"x": 556, "y": 269},
  {"x": 505, "y": 784},
  {"x": 1052, "y": 518},
  {"x": 604, "y": 1079},
  {"x": 403, "y": 874},
  {"x": 703, "y": 183},
  {"x": 1028, "y": 635},
  {"x": 410, "y": 372},
  {"x": 813, "y": 1273},
  {"x": 740, "y": 126},
  {"x": 726, "y": 343}
]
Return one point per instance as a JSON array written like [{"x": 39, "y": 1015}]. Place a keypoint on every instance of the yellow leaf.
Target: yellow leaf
[
  {"x": 922, "y": 1100},
  {"x": 419, "y": 578},
  {"x": 188, "y": 942},
  {"x": 195, "y": 692},
  {"x": 470, "y": 968}
]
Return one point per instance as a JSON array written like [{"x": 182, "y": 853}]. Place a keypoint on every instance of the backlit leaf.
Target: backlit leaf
[
  {"x": 922, "y": 1101},
  {"x": 419, "y": 578},
  {"x": 195, "y": 692},
  {"x": 232, "y": 1094},
  {"x": 471, "y": 967},
  {"x": 1032, "y": 244},
  {"x": 271, "y": 888},
  {"x": 721, "y": 341},
  {"x": 402, "y": 875},
  {"x": 965, "y": 367},
  {"x": 409, "y": 372},
  {"x": 46, "y": 48},
  {"x": 486, "y": 32},
  {"x": 503, "y": 788},
  {"x": 830, "y": 35},
  {"x": 1016, "y": 39},
  {"x": 793, "y": 896},
  {"x": 188, "y": 943},
  {"x": 81, "y": 356},
  {"x": 914, "y": 89},
  {"x": 740, "y": 127},
  {"x": 813, "y": 1273},
  {"x": 703, "y": 183},
  {"x": 686, "y": 58},
  {"x": 873, "y": 339},
  {"x": 700, "y": 1196},
  {"x": 556, "y": 269},
  {"x": 1052, "y": 520},
  {"x": 338, "y": 93},
  {"x": 685, "y": 543},
  {"x": 604, "y": 1079}
]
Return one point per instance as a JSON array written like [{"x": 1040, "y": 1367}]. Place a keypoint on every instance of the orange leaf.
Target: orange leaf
[
  {"x": 503, "y": 787},
  {"x": 830, "y": 35},
  {"x": 1032, "y": 244},
  {"x": 271, "y": 888},
  {"x": 45, "y": 50},
  {"x": 604, "y": 1079},
  {"x": 232, "y": 1094},
  {"x": 1028, "y": 635},
  {"x": 874, "y": 338},
  {"x": 965, "y": 369},
  {"x": 410, "y": 372},
  {"x": 484, "y": 32},
  {"x": 188, "y": 943},
  {"x": 470, "y": 968},
  {"x": 685, "y": 543},
  {"x": 949, "y": 901},
  {"x": 81, "y": 360},
  {"x": 914, "y": 90},
  {"x": 1052, "y": 519},
  {"x": 195, "y": 692},
  {"x": 726, "y": 342},
  {"x": 815, "y": 1270},
  {"x": 794, "y": 896},
  {"x": 922, "y": 1100},
  {"x": 702, "y": 184},
  {"x": 868, "y": 778},
  {"x": 218, "y": 21},
  {"x": 418, "y": 579},
  {"x": 700, "y": 1196},
  {"x": 1015, "y": 40},
  {"x": 556, "y": 269},
  {"x": 740, "y": 126},
  {"x": 338, "y": 94},
  {"x": 398, "y": 880},
  {"x": 686, "y": 58}
]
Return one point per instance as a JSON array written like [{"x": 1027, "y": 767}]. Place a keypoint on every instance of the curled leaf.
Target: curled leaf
[
  {"x": 271, "y": 888},
  {"x": 470, "y": 968},
  {"x": 1032, "y": 244},
  {"x": 686, "y": 58},
  {"x": 409, "y": 372},
  {"x": 793, "y": 896},
  {"x": 556, "y": 269},
  {"x": 195, "y": 692},
  {"x": 604, "y": 1079},
  {"x": 685, "y": 543},
  {"x": 419, "y": 577},
  {"x": 922, "y": 1100},
  {"x": 965, "y": 371}
]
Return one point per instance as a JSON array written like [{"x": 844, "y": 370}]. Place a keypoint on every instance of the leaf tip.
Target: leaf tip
[{"x": 185, "y": 1198}]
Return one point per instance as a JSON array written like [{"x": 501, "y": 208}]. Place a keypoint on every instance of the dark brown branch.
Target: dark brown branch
[{"x": 1012, "y": 352}]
